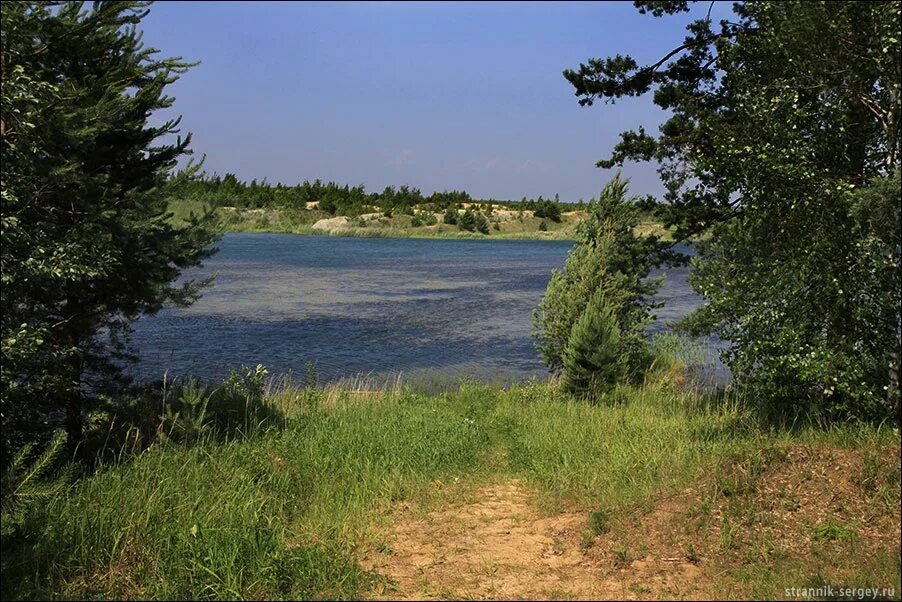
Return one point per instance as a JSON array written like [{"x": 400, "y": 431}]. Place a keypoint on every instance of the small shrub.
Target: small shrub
[
  {"x": 622, "y": 557},
  {"x": 237, "y": 407},
  {"x": 610, "y": 263},
  {"x": 310, "y": 378},
  {"x": 185, "y": 418},
  {"x": 450, "y": 216},
  {"x": 467, "y": 221},
  {"x": 482, "y": 224}
]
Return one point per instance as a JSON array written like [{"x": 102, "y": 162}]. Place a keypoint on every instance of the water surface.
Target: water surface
[{"x": 367, "y": 306}]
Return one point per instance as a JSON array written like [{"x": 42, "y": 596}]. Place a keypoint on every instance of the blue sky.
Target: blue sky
[{"x": 436, "y": 95}]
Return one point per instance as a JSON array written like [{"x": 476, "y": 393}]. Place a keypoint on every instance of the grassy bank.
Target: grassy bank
[
  {"x": 294, "y": 510},
  {"x": 284, "y": 221}
]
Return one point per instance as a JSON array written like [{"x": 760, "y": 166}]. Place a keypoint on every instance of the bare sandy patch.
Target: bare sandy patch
[
  {"x": 331, "y": 223},
  {"x": 501, "y": 547}
]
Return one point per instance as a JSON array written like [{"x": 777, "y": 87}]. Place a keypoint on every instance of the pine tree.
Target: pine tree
[
  {"x": 467, "y": 221},
  {"x": 610, "y": 258},
  {"x": 593, "y": 359},
  {"x": 482, "y": 224},
  {"x": 450, "y": 216},
  {"x": 87, "y": 245}
]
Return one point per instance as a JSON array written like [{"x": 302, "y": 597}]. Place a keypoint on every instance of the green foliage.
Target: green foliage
[
  {"x": 831, "y": 530},
  {"x": 543, "y": 227},
  {"x": 599, "y": 522},
  {"x": 35, "y": 482},
  {"x": 310, "y": 377},
  {"x": 236, "y": 408},
  {"x": 783, "y": 143},
  {"x": 421, "y": 218},
  {"x": 340, "y": 199},
  {"x": 547, "y": 209},
  {"x": 609, "y": 264},
  {"x": 87, "y": 245},
  {"x": 450, "y": 216},
  {"x": 186, "y": 417},
  {"x": 482, "y": 224},
  {"x": 179, "y": 412},
  {"x": 819, "y": 343},
  {"x": 593, "y": 360},
  {"x": 467, "y": 221}
]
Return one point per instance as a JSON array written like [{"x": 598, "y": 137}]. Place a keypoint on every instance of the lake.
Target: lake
[{"x": 376, "y": 306}]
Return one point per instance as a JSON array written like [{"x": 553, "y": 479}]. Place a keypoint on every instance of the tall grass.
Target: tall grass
[
  {"x": 281, "y": 513},
  {"x": 648, "y": 439},
  {"x": 275, "y": 515}
]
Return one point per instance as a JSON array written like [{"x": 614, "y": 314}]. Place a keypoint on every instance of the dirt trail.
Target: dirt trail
[{"x": 500, "y": 547}]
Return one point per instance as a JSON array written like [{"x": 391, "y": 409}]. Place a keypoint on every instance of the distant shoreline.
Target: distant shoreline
[
  {"x": 503, "y": 224},
  {"x": 401, "y": 233}
]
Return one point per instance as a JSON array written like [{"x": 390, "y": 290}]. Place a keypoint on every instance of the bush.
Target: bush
[
  {"x": 234, "y": 408},
  {"x": 450, "y": 216},
  {"x": 190, "y": 412},
  {"x": 543, "y": 227},
  {"x": 548, "y": 209},
  {"x": 482, "y": 224},
  {"x": 467, "y": 221}
]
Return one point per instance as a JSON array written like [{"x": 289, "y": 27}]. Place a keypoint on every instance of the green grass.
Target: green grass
[
  {"x": 580, "y": 453},
  {"x": 281, "y": 513}
]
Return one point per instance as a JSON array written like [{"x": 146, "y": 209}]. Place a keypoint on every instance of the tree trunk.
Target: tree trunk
[
  {"x": 73, "y": 393},
  {"x": 75, "y": 429}
]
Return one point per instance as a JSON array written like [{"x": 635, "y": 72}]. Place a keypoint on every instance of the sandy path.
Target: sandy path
[{"x": 500, "y": 547}]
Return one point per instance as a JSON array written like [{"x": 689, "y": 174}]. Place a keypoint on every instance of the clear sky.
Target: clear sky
[{"x": 439, "y": 96}]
